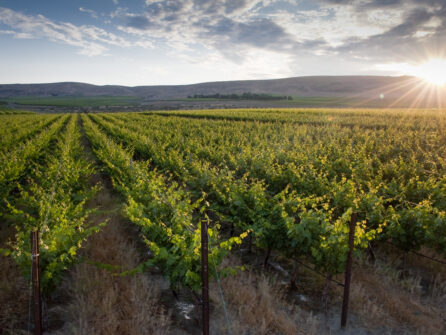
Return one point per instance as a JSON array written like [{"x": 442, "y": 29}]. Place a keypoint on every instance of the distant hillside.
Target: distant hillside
[{"x": 363, "y": 87}]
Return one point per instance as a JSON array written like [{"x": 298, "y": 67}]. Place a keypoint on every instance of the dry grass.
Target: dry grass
[
  {"x": 14, "y": 291},
  {"x": 383, "y": 297},
  {"x": 256, "y": 306},
  {"x": 103, "y": 303},
  {"x": 427, "y": 264},
  {"x": 438, "y": 291}
]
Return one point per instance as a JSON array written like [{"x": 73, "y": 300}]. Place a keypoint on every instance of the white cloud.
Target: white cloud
[
  {"x": 16, "y": 34},
  {"x": 400, "y": 68},
  {"x": 90, "y": 40},
  {"x": 254, "y": 24},
  {"x": 248, "y": 38},
  {"x": 185, "y": 25},
  {"x": 283, "y": 26},
  {"x": 92, "y": 13}
]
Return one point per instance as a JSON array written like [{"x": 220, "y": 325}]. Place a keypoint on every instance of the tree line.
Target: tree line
[{"x": 244, "y": 96}]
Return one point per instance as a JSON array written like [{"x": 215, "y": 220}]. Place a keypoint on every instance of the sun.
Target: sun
[{"x": 433, "y": 71}]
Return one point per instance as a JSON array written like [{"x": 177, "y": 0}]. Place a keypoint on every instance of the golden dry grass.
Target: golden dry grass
[
  {"x": 14, "y": 292},
  {"x": 383, "y": 296},
  {"x": 257, "y": 306},
  {"x": 102, "y": 302}
]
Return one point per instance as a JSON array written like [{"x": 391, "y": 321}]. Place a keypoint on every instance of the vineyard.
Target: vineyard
[{"x": 277, "y": 193}]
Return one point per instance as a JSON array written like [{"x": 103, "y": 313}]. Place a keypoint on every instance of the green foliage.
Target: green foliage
[
  {"x": 244, "y": 96},
  {"x": 294, "y": 177},
  {"x": 163, "y": 210},
  {"x": 18, "y": 129},
  {"x": 17, "y": 160},
  {"x": 290, "y": 178},
  {"x": 53, "y": 203},
  {"x": 10, "y": 111}
]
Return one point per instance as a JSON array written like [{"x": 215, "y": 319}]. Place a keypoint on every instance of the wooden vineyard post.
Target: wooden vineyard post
[
  {"x": 205, "y": 277},
  {"x": 348, "y": 269},
  {"x": 35, "y": 275}
]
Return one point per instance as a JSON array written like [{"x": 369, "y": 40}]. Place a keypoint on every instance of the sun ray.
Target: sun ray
[
  {"x": 433, "y": 71},
  {"x": 403, "y": 96},
  {"x": 385, "y": 90},
  {"x": 418, "y": 99}
]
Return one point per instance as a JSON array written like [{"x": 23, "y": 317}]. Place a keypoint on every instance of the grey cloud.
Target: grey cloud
[
  {"x": 138, "y": 22},
  {"x": 412, "y": 22},
  {"x": 225, "y": 7},
  {"x": 165, "y": 7},
  {"x": 382, "y": 4},
  {"x": 226, "y": 25},
  {"x": 259, "y": 33},
  {"x": 216, "y": 23},
  {"x": 236, "y": 5},
  {"x": 265, "y": 33},
  {"x": 337, "y": 2},
  {"x": 402, "y": 38}
]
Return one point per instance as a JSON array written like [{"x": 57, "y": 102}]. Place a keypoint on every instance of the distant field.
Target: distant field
[
  {"x": 320, "y": 102},
  {"x": 73, "y": 101},
  {"x": 205, "y": 103},
  {"x": 324, "y": 101},
  {"x": 5, "y": 110},
  {"x": 296, "y": 100}
]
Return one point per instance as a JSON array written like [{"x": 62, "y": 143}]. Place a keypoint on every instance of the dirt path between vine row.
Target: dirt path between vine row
[
  {"x": 14, "y": 290},
  {"x": 100, "y": 301},
  {"x": 104, "y": 303}
]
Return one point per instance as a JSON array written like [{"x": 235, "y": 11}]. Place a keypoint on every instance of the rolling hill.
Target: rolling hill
[{"x": 402, "y": 88}]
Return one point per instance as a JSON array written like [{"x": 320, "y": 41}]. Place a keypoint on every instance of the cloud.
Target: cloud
[
  {"x": 333, "y": 27},
  {"x": 16, "y": 34},
  {"x": 382, "y": 3},
  {"x": 220, "y": 25},
  {"x": 420, "y": 33},
  {"x": 138, "y": 22},
  {"x": 238, "y": 30},
  {"x": 345, "y": 30},
  {"x": 261, "y": 33},
  {"x": 92, "y": 13},
  {"x": 90, "y": 40},
  {"x": 387, "y": 31}
]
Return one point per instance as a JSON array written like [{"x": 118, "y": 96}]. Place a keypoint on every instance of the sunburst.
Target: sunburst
[{"x": 432, "y": 71}]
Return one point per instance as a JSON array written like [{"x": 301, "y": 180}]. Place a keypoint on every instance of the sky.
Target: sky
[{"x": 150, "y": 42}]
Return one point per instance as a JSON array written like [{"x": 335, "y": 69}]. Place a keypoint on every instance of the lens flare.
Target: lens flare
[{"x": 433, "y": 71}]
